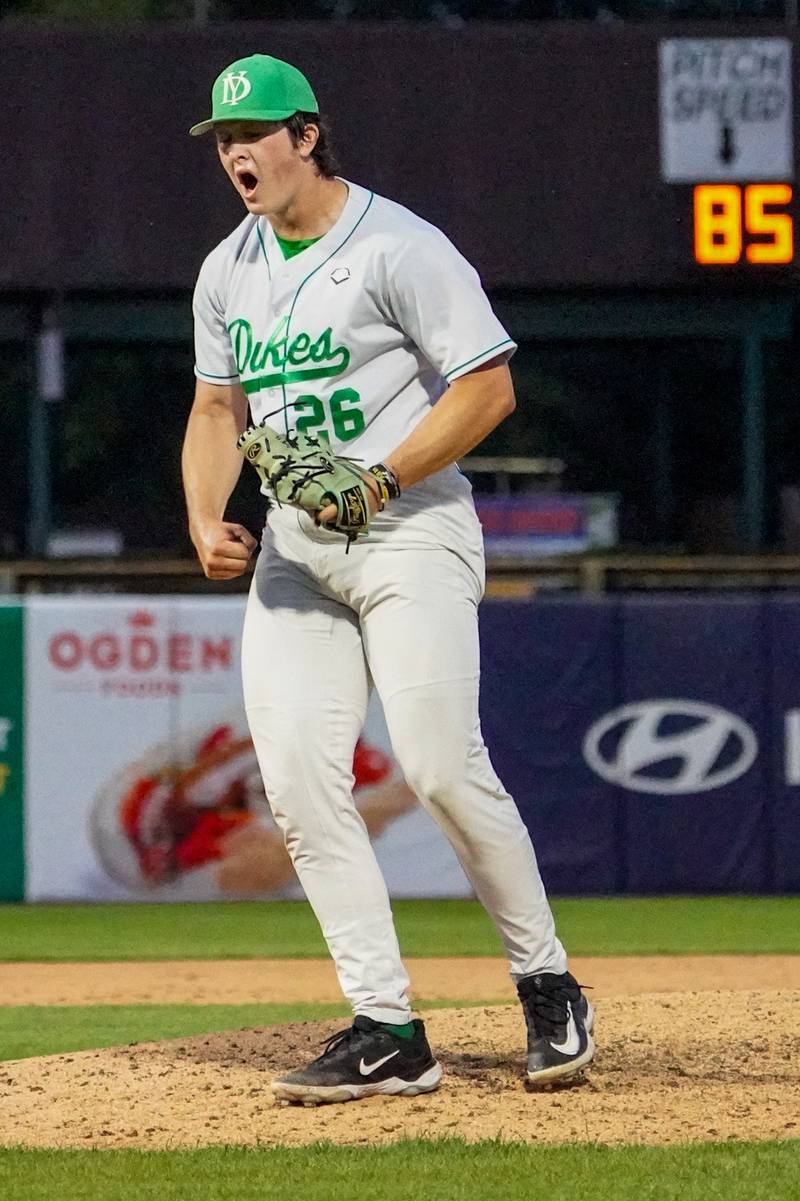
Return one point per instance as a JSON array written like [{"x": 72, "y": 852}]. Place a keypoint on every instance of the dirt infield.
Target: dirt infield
[
  {"x": 707, "y": 1062},
  {"x": 254, "y": 981}
]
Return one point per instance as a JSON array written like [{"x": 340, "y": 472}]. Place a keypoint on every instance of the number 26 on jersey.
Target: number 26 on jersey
[{"x": 340, "y": 412}]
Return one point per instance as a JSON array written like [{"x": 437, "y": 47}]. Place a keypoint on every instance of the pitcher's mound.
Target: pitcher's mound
[{"x": 671, "y": 1068}]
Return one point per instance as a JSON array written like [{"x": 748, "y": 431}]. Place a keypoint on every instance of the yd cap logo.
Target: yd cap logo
[
  {"x": 235, "y": 86},
  {"x": 670, "y": 747}
]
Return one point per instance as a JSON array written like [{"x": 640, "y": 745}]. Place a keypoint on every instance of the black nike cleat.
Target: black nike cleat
[
  {"x": 363, "y": 1061},
  {"x": 560, "y": 1022}
]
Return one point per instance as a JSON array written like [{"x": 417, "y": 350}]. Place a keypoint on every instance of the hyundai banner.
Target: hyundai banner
[{"x": 652, "y": 743}]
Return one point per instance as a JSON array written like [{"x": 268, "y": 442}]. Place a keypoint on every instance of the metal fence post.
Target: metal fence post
[{"x": 48, "y": 385}]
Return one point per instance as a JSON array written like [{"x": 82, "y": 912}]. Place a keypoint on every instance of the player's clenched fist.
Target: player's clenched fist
[{"x": 223, "y": 548}]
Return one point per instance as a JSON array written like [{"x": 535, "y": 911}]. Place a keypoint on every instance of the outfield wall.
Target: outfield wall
[{"x": 652, "y": 744}]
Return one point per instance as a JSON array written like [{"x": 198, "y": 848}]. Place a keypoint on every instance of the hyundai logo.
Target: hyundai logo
[{"x": 670, "y": 747}]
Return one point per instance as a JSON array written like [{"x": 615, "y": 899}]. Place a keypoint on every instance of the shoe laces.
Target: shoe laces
[
  {"x": 546, "y": 1012},
  {"x": 548, "y": 1007},
  {"x": 336, "y": 1040}
]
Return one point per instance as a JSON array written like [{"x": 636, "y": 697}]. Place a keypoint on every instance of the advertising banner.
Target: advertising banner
[
  {"x": 547, "y": 523},
  {"x": 782, "y": 745},
  {"x": 652, "y": 743},
  {"x": 12, "y": 863},
  {"x": 548, "y": 670},
  {"x": 142, "y": 780},
  {"x": 695, "y": 761}
]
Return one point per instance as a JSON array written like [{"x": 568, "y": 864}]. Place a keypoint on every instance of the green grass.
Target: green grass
[
  {"x": 27, "y": 1030},
  {"x": 51, "y": 1029},
  {"x": 410, "y": 1171},
  {"x": 251, "y": 929}
]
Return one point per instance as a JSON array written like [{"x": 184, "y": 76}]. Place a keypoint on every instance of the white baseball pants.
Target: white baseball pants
[{"x": 319, "y": 624}]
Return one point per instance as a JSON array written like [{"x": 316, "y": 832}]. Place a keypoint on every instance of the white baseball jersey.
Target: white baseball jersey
[{"x": 355, "y": 338}]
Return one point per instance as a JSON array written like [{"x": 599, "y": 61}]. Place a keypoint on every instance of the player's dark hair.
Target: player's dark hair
[{"x": 322, "y": 154}]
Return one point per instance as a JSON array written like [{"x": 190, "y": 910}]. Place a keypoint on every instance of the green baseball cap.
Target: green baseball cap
[{"x": 258, "y": 88}]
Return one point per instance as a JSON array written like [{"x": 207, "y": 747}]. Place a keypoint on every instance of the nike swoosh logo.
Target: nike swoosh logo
[
  {"x": 572, "y": 1042},
  {"x": 366, "y": 1069}
]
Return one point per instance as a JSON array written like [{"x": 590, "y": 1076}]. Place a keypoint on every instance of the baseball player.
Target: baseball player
[{"x": 340, "y": 315}]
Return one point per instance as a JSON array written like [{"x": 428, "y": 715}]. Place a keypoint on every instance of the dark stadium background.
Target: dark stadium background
[{"x": 528, "y": 131}]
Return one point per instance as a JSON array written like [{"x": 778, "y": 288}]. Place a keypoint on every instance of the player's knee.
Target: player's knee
[{"x": 439, "y": 784}]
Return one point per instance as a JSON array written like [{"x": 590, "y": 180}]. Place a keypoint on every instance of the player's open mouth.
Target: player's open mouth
[{"x": 248, "y": 182}]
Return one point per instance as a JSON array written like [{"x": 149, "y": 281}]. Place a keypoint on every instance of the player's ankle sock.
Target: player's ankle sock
[{"x": 405, "y": 1031}]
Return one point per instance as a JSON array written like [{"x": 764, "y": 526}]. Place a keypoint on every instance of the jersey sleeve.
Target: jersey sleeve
[
  {"x": 437, "y": 299},
  {"x": 214, "y": 361}
]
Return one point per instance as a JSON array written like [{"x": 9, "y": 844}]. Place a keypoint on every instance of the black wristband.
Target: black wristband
[{"x": 388, "y": 484}]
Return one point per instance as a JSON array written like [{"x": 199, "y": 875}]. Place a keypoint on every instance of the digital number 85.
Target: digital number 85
[{"x": 724, "y": 213}]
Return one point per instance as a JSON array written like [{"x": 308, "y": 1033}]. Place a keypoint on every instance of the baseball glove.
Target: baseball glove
[{"x": 299, "y": 470}]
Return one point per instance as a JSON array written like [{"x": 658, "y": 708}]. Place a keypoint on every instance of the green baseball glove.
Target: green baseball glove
[{"x": 300, "y": 471}]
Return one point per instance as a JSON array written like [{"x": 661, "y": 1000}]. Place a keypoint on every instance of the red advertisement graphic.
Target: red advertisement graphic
[
  {"x": 141, "y": 778},
  {"x": 201, "y": 805}
]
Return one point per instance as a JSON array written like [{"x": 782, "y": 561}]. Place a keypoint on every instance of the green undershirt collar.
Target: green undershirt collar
[{"x": 290, "y": 248}]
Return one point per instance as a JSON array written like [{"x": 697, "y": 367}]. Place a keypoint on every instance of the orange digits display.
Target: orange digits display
[
  {"x": 777, "y": 226},
  {"x": 728, "y": 219},
  {"x": 717, "y": 223}
]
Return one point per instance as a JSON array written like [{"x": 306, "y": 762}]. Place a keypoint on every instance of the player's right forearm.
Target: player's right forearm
[
  {"x": 211, "y": 466},
  {"x": 211, "y": 463}
]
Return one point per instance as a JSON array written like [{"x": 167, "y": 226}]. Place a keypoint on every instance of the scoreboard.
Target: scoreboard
[
  {"x": 652, "y": 162},
  {"x": 727, "y": 156},
  {"x": 739, "y": 224}
]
